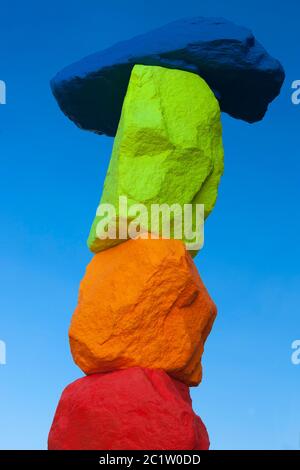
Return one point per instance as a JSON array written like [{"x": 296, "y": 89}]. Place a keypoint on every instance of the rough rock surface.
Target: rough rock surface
[
  {"x": 134, "y": 409},
  {"x": 142, "y": 303},
  {"x": 168, "y": 148},
  {"x": 244, "y": 77}
]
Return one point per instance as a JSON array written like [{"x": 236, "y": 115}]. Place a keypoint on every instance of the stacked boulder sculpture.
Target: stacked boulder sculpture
[{"x": 143, "y": 312}]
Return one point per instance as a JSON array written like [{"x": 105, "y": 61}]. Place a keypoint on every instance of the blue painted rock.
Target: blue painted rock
[{"x": 243, "y": 76}]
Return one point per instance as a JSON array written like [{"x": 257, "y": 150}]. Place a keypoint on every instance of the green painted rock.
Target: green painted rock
[{"x": 167, "y": 151}]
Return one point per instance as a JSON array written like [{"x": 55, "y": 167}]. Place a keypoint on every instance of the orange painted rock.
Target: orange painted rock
[
  {"x": 133, "y": 409},
  {"x": 142, "y": 303}
]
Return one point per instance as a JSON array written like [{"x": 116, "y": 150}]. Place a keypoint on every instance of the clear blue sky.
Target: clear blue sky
[{"x": 51, "y": 178}]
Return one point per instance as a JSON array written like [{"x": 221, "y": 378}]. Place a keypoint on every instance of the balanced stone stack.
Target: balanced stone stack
[{"x": 143, "y": 312}]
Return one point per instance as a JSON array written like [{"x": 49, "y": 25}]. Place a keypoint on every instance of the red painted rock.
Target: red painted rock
[{"x": 129, "y": 409}]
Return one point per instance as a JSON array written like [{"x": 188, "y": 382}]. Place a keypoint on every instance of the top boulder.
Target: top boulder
[{"x": 243, "y": 76}]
